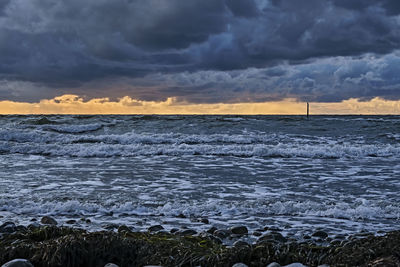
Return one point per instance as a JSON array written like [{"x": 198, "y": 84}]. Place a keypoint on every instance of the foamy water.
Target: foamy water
[{"x": 338, "y": 173}]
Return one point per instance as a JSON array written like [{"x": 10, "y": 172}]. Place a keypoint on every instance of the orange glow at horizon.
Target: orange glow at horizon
[{"x": 73, "y": 104}]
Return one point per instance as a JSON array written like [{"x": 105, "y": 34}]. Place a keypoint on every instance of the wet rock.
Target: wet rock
[
  {"x": 306, "y": 237},
  {"x": 174, "y": 230},
  {"x": 274, "y": 229},
  {"x": 8, "y": 227},
  {"x": 222, "y": 233},
  {"x": 33, "y": 226},
  {"x": 215, "y": 239},
  {"x": 239, "y": 230},
  {"x": 111, "y": 265},
  {"x": 181, "y": 216},
  {"x": 33, "y": 220},
  {"x": 335, "y": 242},
  {"x": 155, "y": 228},
  {"x": 48, "y": 220},
  {"x": 239, "y": 265},
  {"x": 273, "y": 236},
  {"x": 111, "y": 226},
  {"x": 18, "y": 263},
  {"x": 188, "y": 232},
  {"x": 274, "y": 264},
  {"x": 70, "y": 222},
  {"x": 205, "y": 221},
  {"x": 241, "y": 243},
  {"x": 320, "y": 234},
  {"x": 257, "y": 234},
  {"x": 212, "y": 230},
  {"x": 124, "y": 228}
]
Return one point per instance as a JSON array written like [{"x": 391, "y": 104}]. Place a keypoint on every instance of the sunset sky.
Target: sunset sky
[{"x": 200, "y": 56}]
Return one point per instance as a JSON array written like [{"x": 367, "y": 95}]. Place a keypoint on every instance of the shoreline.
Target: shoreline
[{"x": 51, "y": 245}]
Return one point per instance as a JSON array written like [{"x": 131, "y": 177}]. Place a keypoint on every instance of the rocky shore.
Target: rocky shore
[{"x": 49, "y": 245}]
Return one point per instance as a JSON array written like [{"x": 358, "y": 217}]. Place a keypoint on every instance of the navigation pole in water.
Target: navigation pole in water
[{"x": 308, "y": 109}]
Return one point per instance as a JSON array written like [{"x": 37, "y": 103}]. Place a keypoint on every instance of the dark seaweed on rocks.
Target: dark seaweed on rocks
[{"x": 61, "y": 246}]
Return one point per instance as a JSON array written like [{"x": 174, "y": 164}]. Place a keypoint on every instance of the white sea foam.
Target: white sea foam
[
  {"x": 355, "y": 211},
  {"x": 238, "y": 150}
]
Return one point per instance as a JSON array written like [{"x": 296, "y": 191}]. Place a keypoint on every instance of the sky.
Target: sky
[{"x": 200, "y": 56}]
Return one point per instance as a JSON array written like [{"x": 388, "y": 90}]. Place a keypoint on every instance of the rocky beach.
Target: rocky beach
[{"x": 46, "y": 244}]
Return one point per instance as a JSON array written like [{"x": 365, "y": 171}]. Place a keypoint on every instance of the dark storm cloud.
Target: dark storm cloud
[{"x": 73, "y": 46}]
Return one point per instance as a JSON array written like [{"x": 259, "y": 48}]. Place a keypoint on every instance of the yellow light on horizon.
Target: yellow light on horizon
[{"x": 73, "y": 104}]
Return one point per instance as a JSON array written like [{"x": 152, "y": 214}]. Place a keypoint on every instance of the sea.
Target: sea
[{"x": 339, "y": 174}]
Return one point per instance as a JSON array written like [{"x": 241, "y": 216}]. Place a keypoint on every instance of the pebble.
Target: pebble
[
  {"x": 33, "y": 226},
  {"x": 212, "y": 230},
  {"x": 241, "y": 243},
  {"x": 111, "y": 226},
  {"x": 124, "y": 228},
  {"x": 174, "y": 230},
  {"x": 111, "y": 265},
  {"x": 239, "y": 230},
  {"x": 320, "y": 234},
  {"x": 274, "y": 236},
  {"x": 155, "y": 228},
  {"x": 222, "y": 233},
  {"x": 70, "y": 222},
  {"x": 239, "y": 265},
  {"x": 18, "y": 263},
  {"x": 8, "y": 227},
  {"x": 188, "y": 232},
  {"x": 205, "y": 221},
  {"x": 257, "y": 234},
  {"x": 48, "y": 220}
]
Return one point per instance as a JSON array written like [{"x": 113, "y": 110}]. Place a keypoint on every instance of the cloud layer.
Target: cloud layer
[{"x": 202, "y": 51}]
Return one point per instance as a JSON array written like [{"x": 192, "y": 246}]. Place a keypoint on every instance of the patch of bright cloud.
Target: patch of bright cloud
[{"x": 73, "y": 104}]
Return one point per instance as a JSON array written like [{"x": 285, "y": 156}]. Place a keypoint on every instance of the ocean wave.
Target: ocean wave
[
  {"x": 74, "y": 129},
  {"x": 360, "y": 210},
  {"x": 333, "y": 151}
]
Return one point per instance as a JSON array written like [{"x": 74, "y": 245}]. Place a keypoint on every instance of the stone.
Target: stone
[
  {"x": 205, "y": 221},
  {"x": 181, "y": 216},
  {"x": 8, "y": 227},
  {"x": 111, "y": 265},
  {"x": 212, "y": 230},
  {"x": 70, "y": 222},
  {"x": 257, "y": 233},
  {"x": 239, "y": 230},
  {"x": 320, "y": 234},
  {"x": 296, "y": 264},
  {"x": 124, "y": 228},
  {"x": 174, "y": 230},
  {"x": 274, "y": 264},
  {"x": 240, "y": 244},
  {"x": 155, "y": 228},
  {"x": 222, "y": 233},
  {"x": 111, "y": 226},
  {"x": 33, "y": 226},
  {"x": 48, "y": 220},
  {"x": 215, "y": 239},
  {"x": 239, "y": 265},
  {"x": 18, "y": 263},
  {"x": 188, "y": 232},
  {"x": 273, "y": 236}
]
